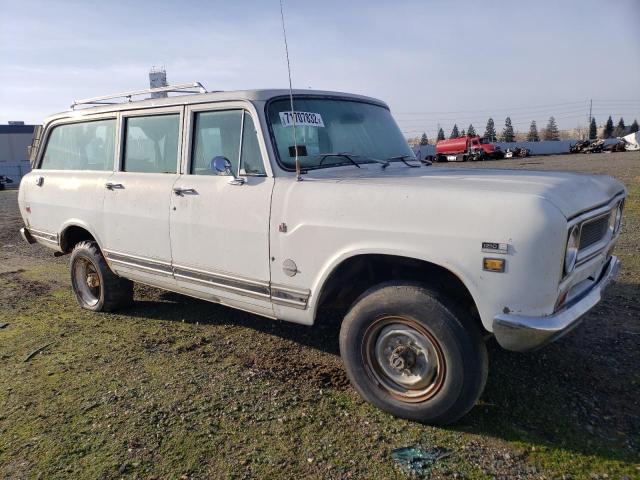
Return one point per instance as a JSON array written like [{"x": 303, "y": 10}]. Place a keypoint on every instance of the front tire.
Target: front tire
[
  {"x": 407, "y": 352},
  {"x": 95, "y": 286}
]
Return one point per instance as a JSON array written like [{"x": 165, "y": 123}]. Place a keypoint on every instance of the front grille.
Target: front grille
[{"x": 593, "y": 231}]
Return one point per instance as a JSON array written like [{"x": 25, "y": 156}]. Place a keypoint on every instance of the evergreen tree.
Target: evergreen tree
[
  {"x": 471, "y": 132},
  {"x": 507, "y": 133},
  {"x": 424, "y": 140},
  {"x": 463, "y": 133},
  {"x": 533, "y": 133},
  {"x": 455, "y": 133},
  {"x": 608, "y": 128},
  {"x": 593, "y": 129},
  {"x": 440, "y": 134},
  {"x": 634, "y": 126},
  {"x": 552, "y": 132},
  {"x": 532, "y": 136},
  {"x": 490, "y": 131},
  {"x": 620, "y": 129}
]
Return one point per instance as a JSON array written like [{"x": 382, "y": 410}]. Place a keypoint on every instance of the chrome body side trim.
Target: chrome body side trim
[
  {"x": 133, "y": 261},
  {"x": 290, "y": 296},
  {"x": 260, "y": 289},
  {"x": 230, "y": 283},
  {"x": 523, "y": 333}
]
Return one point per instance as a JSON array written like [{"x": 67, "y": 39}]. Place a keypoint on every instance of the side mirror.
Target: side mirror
[{"x": 222, "y": 166}]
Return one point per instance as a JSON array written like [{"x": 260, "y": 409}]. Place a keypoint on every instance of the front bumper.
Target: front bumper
[{"x": 522, "y": 333}]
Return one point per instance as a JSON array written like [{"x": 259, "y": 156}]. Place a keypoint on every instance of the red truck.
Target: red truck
[{"x": 462, "y": 149}]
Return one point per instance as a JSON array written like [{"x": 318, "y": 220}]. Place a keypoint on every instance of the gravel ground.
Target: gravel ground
[{"x": 179, "y": 388}]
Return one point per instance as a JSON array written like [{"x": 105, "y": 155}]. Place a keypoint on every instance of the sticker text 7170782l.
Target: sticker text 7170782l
[{"x": 308, "y": 119}]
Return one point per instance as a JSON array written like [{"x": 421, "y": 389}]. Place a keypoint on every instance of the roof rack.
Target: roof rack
[{"x": 181, "y": 88}]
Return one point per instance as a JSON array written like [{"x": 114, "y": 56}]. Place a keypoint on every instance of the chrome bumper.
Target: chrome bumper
[
  {"x": 522, "y": 333},
  {"x": 26, "y": 235}
]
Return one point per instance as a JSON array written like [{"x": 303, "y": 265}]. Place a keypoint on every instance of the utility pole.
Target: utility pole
[{"x": 590, "y": 109}]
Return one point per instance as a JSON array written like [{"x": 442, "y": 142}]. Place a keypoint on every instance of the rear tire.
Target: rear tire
[
  {"x": 409, "y": 352},
  {"x": 95, "y": 286}
]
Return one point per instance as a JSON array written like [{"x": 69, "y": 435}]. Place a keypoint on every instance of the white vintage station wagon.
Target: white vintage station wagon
[{"x": 290, "y": 204}]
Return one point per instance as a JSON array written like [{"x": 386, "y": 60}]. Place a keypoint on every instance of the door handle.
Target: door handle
[
  {"x": 113, "y": 186},
  {"x": 40, "y": 181},
  {"x": 185, "y": 191}
]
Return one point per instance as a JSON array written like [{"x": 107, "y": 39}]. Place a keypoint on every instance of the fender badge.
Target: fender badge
[{"x": 492, "y": 247}]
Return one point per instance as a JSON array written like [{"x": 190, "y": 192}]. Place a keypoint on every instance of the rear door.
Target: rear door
[
  {"x": 138, "y": 195},
  {"x": 220, "y": 230},
  {"x": 66, "y": 187}
]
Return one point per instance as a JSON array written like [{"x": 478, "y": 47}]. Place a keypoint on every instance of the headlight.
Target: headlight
[
  {"x": 571, "y": 254},
  {"x": 618, "y": 219}
]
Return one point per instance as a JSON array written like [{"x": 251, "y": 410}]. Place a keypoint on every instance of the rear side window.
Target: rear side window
[
  {"x": 230, "y": 134},
  {"x": 81, "y": 146},
  {"x": 151, "y": 144}
]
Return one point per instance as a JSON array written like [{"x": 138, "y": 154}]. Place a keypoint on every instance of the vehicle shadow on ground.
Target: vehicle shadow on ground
[{"x": 572, "y": 394}]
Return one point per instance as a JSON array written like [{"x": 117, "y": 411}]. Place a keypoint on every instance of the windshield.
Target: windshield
[{"x": 331, "y": 132}]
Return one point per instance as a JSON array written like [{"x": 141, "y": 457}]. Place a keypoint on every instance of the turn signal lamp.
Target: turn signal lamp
[{"x": 493, "y": 264}]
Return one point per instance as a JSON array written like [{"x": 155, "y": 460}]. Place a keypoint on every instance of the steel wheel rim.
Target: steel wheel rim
[
  {"x": 87, "y": 281},
  {"x": 404, "y": 359}
]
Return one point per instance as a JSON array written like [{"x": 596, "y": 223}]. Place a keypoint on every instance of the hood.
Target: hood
[{"x": 571, "y": 193}]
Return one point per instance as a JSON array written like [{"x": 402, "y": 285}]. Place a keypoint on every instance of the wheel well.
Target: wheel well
[
  {"x": 361, "y": 272},
  {"x": 71, "y": 236}
]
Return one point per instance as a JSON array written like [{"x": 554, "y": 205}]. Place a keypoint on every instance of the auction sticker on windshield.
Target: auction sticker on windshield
[{"x": 308, "y": 119}]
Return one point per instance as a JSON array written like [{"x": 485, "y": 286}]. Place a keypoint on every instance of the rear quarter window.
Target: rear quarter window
[{"x": 81, "y": 146}]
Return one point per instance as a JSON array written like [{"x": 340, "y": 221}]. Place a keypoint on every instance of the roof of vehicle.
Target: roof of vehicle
[{"x": 188, "y": 99}]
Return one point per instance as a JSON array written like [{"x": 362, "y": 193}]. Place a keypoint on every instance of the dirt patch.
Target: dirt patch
[
  {"x": 288, "y": 365},
  {"x": 15, "y": 288}
]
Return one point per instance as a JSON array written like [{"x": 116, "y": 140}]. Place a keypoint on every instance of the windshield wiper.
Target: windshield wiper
[
  {"x": 403, "y": 159},
  {"x": 348, "y": 156}
]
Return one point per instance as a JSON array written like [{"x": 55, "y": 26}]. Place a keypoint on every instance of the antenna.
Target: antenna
[{"x": 293, "y": 116}]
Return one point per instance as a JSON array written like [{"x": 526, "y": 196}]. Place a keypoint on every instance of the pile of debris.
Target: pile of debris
[
  {"x": 516, "y": 152},
  {"x": 4, "y": 180},
  {"x": 588, "y": 146},
  {"x": 627, "y": 143}
]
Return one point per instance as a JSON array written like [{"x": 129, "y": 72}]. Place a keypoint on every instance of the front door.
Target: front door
[
  {"x": 138, "y": 196},
  {"x": 220, "y": 230}
]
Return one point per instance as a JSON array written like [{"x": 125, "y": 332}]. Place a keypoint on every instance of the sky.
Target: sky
[{"x": 433, "y": 62}]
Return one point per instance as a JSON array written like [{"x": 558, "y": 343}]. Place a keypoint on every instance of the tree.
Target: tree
[
  {"x": 620, "y": 129},
  {"x": 507, "y": 133},
  {"x": 471, "y": 132},
  {"x": 634, "y": 126},
  {"x": 551, "y": 132},
  {"x": 463, "y": 133},
  {"x": 440, "y": 134},
  {"x": 424, "y": 140},
  {"x": 608, "y": 128},
  {"x": 593, "y": 129},
  {"x": 455, "y": 133},
  {"x": 490, "y": 131},
  {"x": 533, "y": 133}
]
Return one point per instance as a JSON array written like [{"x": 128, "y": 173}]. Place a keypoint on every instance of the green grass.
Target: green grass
[{"x": 177, "y": 387}]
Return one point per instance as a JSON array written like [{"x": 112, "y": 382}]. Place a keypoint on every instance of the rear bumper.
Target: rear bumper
[
  {"x": 26, "y": 235},
  {"x": 523, "y": 333}
]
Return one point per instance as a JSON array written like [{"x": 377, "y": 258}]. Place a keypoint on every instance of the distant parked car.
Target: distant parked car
[{"x": 4, "y": 180}]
